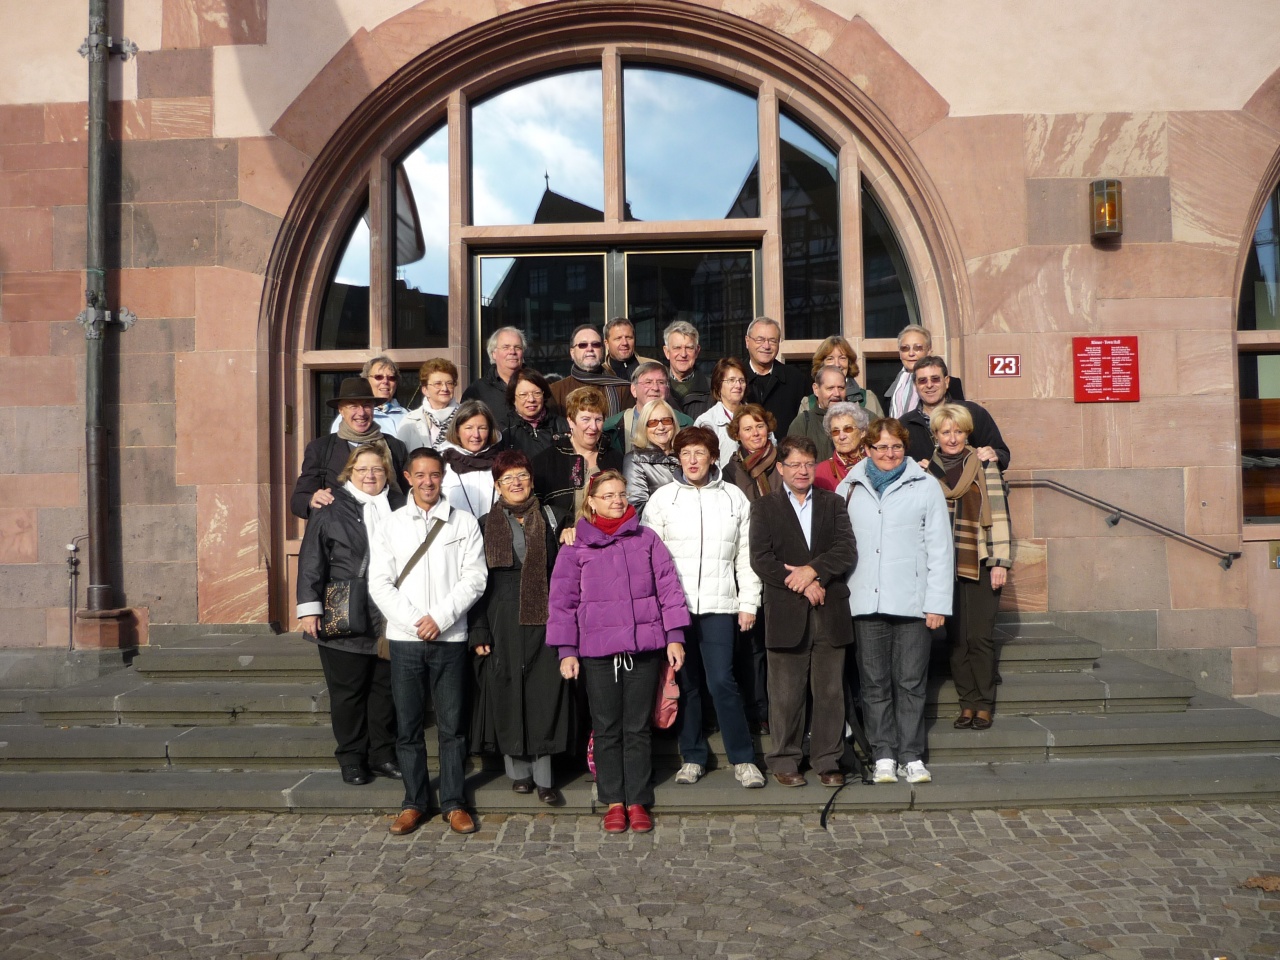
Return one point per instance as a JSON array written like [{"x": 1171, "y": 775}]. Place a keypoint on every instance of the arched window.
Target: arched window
[{"x": 1258, "y": 331}]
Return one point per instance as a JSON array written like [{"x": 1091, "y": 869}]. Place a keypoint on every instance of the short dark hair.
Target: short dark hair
[
  {"x": 511, "y": 460},
  {"x": 789, "y": 445},
  {"x": 930, "y": 361},
  {"x": 526, "y": 375},
  {"x": 696, "y": 436},
  {"x": 418, "y": 453},
  {"x": 721, "y": 370},
  {"x": 751, "y": 410},
  {"x": 887, "y": 425}
]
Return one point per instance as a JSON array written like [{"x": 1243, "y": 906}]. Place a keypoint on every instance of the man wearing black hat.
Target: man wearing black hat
[{"x": 325, "y": 457}]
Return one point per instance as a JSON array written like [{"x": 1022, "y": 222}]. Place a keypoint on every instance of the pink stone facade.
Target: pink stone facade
[{"x": 204, "y": 395}]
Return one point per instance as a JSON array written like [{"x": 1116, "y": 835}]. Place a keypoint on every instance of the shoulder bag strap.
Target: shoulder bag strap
[{"x": 436, "y": 524}]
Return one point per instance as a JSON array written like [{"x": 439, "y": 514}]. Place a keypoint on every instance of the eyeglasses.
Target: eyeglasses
[
  {"x": 652, "y": 383},
  {"x": 695, "y": 453},
  {"x": 660, "y": 422},
  {"x": 511, "y": 479},
  {"x": 609, "y": 497},
  {"x": 594, "y": 344},
  {"x": 734, "y": 382},
  {"x": 369, "y": 471},
  {"x": 912, "y": 348},
  {"x": 889, "y": 448},
  {"x": 844, "y": 431},
  {"x": 381, "y": 377},
  {"x": 801, "y": 466},
  {"x": 441, "y": 384},
  {"x": 762, "y": 341},
  {"x": 529, "y": 395},
  {"x": 923, "y": 381}
]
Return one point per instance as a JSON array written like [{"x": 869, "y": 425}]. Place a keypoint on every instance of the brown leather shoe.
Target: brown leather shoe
[
  {"x": 790, "y": 779},
  {"x": 832, "y": 778},
  {"x": 408, "y": 821},
  {"x": 550, "y": 796},
  {"x": 460, "y": 821}
]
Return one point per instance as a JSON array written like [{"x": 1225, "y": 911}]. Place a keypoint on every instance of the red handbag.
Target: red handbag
[{"x": 667, "y": 703}]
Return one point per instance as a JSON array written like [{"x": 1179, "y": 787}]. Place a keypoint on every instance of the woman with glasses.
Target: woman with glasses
[
  {"x": 980, "y": 527},
  {"x": 844, "y": 423},
  {"x": 899, "y": 592},
  {"x": 706, "y": 524},
  {"x": 617, "y": 613},
  {"x": 428, "y": 425},
  {"x": 468, "y": 451},
  {"x": 533, "y": 425},
  {"x": 651, "y": 462},
  {"x": 334, "y": 553},
  {"x": 524, "y": 709},
  {"x": 729, "y": 387}
]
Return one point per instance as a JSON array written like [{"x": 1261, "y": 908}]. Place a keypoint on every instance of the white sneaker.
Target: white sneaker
[
  {"x": 749, "y": 775},
  {"x": 690, "y": 773},
  {"x": 915, "y": 772},
  {"x": 886, "y": 771}
]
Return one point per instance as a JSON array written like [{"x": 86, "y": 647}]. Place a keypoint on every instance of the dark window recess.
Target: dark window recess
[
  {"x": 810, "y": 199},
  {"x": 889, "y": 296}
]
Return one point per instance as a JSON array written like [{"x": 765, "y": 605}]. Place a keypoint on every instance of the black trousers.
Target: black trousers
[
  {"x": 973, "y": 648},
  {"x": 750, "y": 665},
  {"x": 360, "y": 706},
  {"x": 620, "y": 692}
]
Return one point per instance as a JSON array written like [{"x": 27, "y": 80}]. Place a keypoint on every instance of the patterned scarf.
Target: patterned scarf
[
  {"x": 969, "y": 505},
  {"x": 881, "y": 479},
  {"x": 437, "y": 422},
  {"x": 499, "y": 553},
  {"x": 903, "y": 397},
  {"x": 759, "y": 465},
  {"x": 840, "y": 466}
]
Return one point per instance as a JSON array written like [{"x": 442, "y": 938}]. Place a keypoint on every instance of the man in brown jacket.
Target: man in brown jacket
[{"x": 802, "y": 547}]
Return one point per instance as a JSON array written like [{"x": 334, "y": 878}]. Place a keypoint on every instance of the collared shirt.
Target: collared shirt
[
  {"x": 388, "y": 418},
  {"x": 804, "y": 512}
]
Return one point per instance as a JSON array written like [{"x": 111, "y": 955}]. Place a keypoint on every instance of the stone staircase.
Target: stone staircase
[{"x": 239, "y": 719}]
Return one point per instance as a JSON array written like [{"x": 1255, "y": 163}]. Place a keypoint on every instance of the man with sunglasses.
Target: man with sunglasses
[
  {"x": 932, "y": 383},
  {"x": 648, "y": 382},
  {"x": 384, "y": 378},
  {"x": 586, "y": 349}
]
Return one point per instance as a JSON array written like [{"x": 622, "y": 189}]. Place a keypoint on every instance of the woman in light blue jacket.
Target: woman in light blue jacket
[{"x": 900, "y": 590}]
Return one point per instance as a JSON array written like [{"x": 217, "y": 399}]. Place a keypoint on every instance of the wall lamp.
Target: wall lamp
[{"x": 1105, "y": 209}]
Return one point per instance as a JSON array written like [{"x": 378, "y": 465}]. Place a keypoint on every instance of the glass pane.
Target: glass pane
[
  {"x": 327, "y": 383},
  {"x": 888, "y": 293},
  {"x": 1259, "y": 309},
  {"x": 810, "y": 233},
  {"x": 692, "y": 147},
  {"x": 546, "y": 297},
  {"x": 537, "y": 152},
  {"x": 344, "y": 317},
  {"x": 713, "y": 290},
  {"x": 1260, "y": 434},
  {"x": 421, "y": 291},
  {"x": 880, "y": 374}
]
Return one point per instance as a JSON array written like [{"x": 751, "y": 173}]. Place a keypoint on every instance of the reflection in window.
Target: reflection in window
[
  {"x": 421, "y": 291},
  {"x": 1260, "y": 434},
  {"x": 1260, "y": 291},
  {"x": 715, "y": 291},
  {"x": 344, "y": 316},
  {"x": 537, "y": 152},
  {"x": 535, "y": 294},
  {"x": 888, "y": 293},
  {"x": 691, "y": 147},
  {"x": 810, "y": 200}
]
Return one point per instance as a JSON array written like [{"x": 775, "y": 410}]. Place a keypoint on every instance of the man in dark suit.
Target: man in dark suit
[
  {"x": 770, "y": 382},
  {"x": 802, "y": 547},
  {"x": 325, "y": 457}
]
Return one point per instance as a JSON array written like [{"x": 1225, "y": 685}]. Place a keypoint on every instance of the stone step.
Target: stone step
[
  {"x": 223, "y": 656},
  {"x": 1060, "y": 783}
]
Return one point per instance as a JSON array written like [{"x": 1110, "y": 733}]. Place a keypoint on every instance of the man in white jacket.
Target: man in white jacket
[{"x": 427, "y": 628}]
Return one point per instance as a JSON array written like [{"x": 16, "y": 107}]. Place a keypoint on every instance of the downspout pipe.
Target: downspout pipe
[{"x": 97, "y": 49}]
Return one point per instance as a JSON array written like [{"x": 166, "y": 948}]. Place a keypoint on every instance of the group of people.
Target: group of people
[{"x": 538, "y": 555}]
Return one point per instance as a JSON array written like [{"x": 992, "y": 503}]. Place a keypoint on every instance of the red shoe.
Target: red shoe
[
  {"x": 615, "y": 819},
  {"x": 641, "y": 822}
]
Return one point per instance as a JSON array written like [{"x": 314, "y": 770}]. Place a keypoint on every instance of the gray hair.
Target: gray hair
[
  {"x": 375, "y": 363},
  {"x": 492, "y": 343},
  {"x": 618, "y": 322},
  {"x": 683, "y": 328},
  {"x": 769, "y": 320},
  {"x": 856, "y": 412},
  {"x": 817, "y": 377},
  {"x": 916, "y": 328},
  {"x": 647, "y": 367}
]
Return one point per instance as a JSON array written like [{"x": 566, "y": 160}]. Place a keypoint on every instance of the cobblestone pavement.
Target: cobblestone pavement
[{"x": 1127, "y": 884}]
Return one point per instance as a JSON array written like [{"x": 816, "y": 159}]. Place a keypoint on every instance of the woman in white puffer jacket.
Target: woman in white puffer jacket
[{"x": 705, "y": 523}]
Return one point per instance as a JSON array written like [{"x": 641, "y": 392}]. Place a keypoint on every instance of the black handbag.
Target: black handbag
[{"x": 346, "y": 607}]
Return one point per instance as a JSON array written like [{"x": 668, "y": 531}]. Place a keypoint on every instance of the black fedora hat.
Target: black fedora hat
[{"x": 354, "y": 388}]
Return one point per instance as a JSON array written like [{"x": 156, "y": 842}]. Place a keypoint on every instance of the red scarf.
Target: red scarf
[{"x": 610, "y": 527}]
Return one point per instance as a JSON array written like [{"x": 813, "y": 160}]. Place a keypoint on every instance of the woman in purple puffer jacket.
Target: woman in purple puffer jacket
[{"x": 617, "y": 612}]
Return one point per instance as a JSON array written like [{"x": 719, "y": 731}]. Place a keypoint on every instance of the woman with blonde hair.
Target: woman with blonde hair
[{"x": 651, "y": 463}]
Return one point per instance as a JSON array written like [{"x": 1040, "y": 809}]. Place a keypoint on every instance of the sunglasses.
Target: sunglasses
[
  {"x": 381, "y": 377},
  {"x": 583, "y": 344},
  {"x": 659, "y": 422}
]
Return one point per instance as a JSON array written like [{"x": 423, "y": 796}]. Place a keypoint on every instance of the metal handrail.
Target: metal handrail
[{"x": 1116, "y": 514}]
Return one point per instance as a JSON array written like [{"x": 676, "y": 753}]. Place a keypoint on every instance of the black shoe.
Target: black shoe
[
  {"x": 356, "y": 775},
  {"x": 390, "y": 770},
  {"x": 522, "y": 786}
]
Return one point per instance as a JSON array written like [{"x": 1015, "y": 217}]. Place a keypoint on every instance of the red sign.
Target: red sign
[
  {"x": 1004, "y": 365},
  {"x": 1106, "y": 369}
]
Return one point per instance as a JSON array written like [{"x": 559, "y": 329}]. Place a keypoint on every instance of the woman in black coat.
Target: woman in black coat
[
  {"x": 336, "y": 548},
  {"x": 533, "y": 423},
  {"x": 525, "y": 708}
]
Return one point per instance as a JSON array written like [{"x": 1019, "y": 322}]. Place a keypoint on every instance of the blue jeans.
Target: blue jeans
[
  {"x": 893, "y": 665},
  {"x": 443, "y": 666},
  {"x": 708, "y": 650}
]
